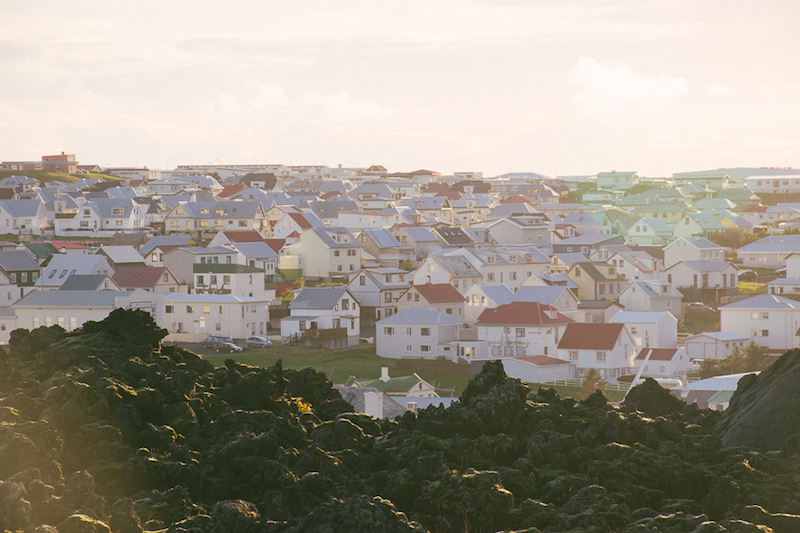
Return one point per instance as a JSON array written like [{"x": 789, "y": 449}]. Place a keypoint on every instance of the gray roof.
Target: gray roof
[
  {"x": 704, "y": 265},
  {"x": 179, "y": 297},
  {"x": 23, "y": 208},
  {"x": 544, "y": 295},
  {"x": 355, "y": 397},
  {"x": 457, "y": 266},
  {"x": 500, "y": 294},
  {"x": 764, "y": 301},
  {"x": 324, "y": 235},
  {"x": 83, "y": 282},
  {"x": 255, "y": 250},
  {"x": 720, "y": 336},
  {"x": 420, "y": 234},
  {"x": 383, "y": 238},
  {"x": 421, "y": 315},
  {"x": 80, "y": 298},
  {"x": 652, "y": 288},
  {"x": 774, "y": 243},
  {"x": 318, "y": 297},
  {"x": 163, "y": 240},
  {"x": 18, "y": 261},
  {"x": 121, "y": 254}
]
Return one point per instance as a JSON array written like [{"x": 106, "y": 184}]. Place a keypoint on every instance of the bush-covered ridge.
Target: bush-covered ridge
[{"x": 104, "y": 429}]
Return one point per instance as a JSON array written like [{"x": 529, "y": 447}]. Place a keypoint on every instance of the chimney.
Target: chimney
[
  {"x": 373, "y": 403},
  {"x": 385, "y": 373}
]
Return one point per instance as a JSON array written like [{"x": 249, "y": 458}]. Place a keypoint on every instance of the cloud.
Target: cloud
[
  {"x": 617, "y": 89},
  {"x": 718, "y": 89}
]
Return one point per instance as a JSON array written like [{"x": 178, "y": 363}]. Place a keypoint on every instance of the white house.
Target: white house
[
  {"x": 481, "y": 297},
  {"x": 559, "y": 296},
  {"x": 62, "y": 266},
  {"x": 327, "y": 316},
  {"x": 537, "y": 368},
  {"x": 379, "y": 288},
  {"x": 769, "y": 320},
  {"x": 652, "y": 295},
  {"x": 521, "y": 328},
  {"x": 193, "y": 317},
  {"x": 769, "y": 252},
  {"x": 649, "y": 329},
  {"x": 662, "y": 362},
  {"x": 221, "y": 278},
  {"x": 327, "y": 252},
  {"x": 456, "y": 270},
  {"x": 703, "y": 274},
  {"x": 418, "y": 332},
  {"x": 608, "y": 348},
  {"x": 693, "y": 249},
  {"x": 714, "y": 344}
]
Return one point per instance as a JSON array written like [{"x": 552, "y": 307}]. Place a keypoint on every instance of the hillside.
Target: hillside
[
  {"x": 104, "y": 429},
  {"x": 46, "y": 176}
]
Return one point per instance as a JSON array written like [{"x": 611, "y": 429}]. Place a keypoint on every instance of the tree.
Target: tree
[
  {"x": 592, "y": 381},
  {"x": 408, "y": 265},
  {"x": 752, "y": 359}
]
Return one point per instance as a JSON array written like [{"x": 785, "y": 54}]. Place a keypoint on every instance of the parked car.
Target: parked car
[
  {"x": 747, "y": 275},
  {"x": 214, "y": 341},
  {"x": 257, "y": 341},
  {"x": 698, "y": 306},
  {"x": 229, "y": 347}
]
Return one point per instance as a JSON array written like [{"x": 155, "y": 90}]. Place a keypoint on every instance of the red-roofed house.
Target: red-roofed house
[
  {"x": 290, "y": 223},
  {"x": 608, "y": 348},
  {"x": 663, "y": 362},
  {"x": 151, "y": 279},
  {"x": 440, "y": 296},
  {"x": 230, "y": 236},
  {"x": 230, "y": 190},
  {"x": 521, "y": 328}
]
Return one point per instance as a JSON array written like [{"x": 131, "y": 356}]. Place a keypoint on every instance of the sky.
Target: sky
[{"x": 492, "y": 86}]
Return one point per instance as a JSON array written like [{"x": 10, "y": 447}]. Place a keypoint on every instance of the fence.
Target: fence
[
  {"x": 572, "y": 382},
  {"x": 421, "y": 365}
]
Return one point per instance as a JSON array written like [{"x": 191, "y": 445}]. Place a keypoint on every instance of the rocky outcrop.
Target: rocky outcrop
[{"x": 765, "y": 410}]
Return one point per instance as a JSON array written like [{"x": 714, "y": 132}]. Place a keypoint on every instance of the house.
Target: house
[
  {"x": 635, "y": 264},
  {"x": 652, "y": 295},
  {"x": 201, "y": 217},
  {"x": 101, "y": 217},
  {"x": 649, "y": 329},
  {"x": 292, "y": 222},
  {"x": 180, "y": 261},
  {"x": 714, "y": 344},
  {"x": 71, "y": 309},
  {"x": 597, "y": 311},
  {"x": 322, "y": 316},
  {"x": 420, "y": 239},
  {"x": 223, "y": 278},
  {"x": 384, "y": 247},
  {"x": 769, "y": 252},
  {"x": 193, "y": 317},
  {"x": 136, "y": 239},
  {"x": 327, "y": 253},
  {"x": 669, "y": 212},
  {"x": 521, "y": 328},
  {"x": 767, "y": 319},
  {"x": 151, "y": 279},
  {"x": 418, "y": 332},
  {"x": 481, "y": 297},
  {"x": 559, "y": 296},
  {"x": 440, "y": 296},
  {"x": 697, "y": 224},
  {"x": 152, "y": 250},
  {"x": 693, "y": 249},
  {"x": 378, "y": 289},
  {"x": 19, "y": 273},
  {"x": 520, "y": 230},
  {"x": 562, "y": 262},
  {"x": 585, "y": 244},
  {"x": 23, "y": 217},
  {"x": 595, "y": 280},
  {"x": 662, "y": 362},
  {"x": 616, "y": 181},
  {"x": 61, "y": 266},
  {"x": 371, "y": 401},
  {"x": 452, "y": 237},
  {"x": 509, "y": 265},
  {"x": 408, "y": 386},
  {"x": 118, "y": 256},
  {"x": 649, "y": 231},
  {"x": 456, "y": 270},
  {"x": 608, "y": 348},
  {"x": 715, "y": 278},
  {"x": 537, "y": 368}
]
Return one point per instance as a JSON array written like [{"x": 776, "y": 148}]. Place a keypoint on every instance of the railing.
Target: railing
[{"x": 574, "y": 382}]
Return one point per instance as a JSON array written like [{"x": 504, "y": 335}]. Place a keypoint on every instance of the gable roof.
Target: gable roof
[
  {"x": 138, "y": 276},
  {"x": 541, "y": 360},
  {"x": 763, "y": 301},
  {"x": 522, "y": 313},
  {"x": 579, "y": 336},
  {"x": 318, "y": 297},
  {"x": 658, "y": 354},
  {"x": 83, "y": 282},
  {"x": 421, "y": 315},
  {"x": 17, "y": 261},
  {"x": 439, "y": 292},
  {"x": 458, "y": 266}
]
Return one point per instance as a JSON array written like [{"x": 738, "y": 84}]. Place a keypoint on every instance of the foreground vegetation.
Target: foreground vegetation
[{"x": 105, "y": 430}]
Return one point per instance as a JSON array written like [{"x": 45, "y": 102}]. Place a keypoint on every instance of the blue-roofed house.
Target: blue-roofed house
[
  {"x": 558, "y": 296},
  {"x": 585, "y": 244},
  {"x": 418, "y": 332},
  {"x": 767, "y": 319},
  {"x": 322, "y": 316},
  {"x": 769, "y": 252},
  {"x": 652, "y": 295},
  {"x": 384, "y": 247},
  {"x": 649, "y": 329}
]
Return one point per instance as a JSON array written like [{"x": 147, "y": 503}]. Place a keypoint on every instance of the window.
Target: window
[
  {"x": 168, "y": 309},
  {"x": 633, "y": 331},
  {"x": 337, "y": 322},
  {"x": 387, "y": 298},
  {"x": 601, "y": 357},
  {"x": 573, "y": 355},
  {"x": 416, "y": 296},
  {"x": 424, "y": 348},
  {"x": 388, "y": 331},
  {"x": 339, "y": 268},
  {"x": 408, "y": 347},
  {"x": 243, "y": 223},
  {"x": 765, "y": 333},
  {"x": 362, "y": 280},
  {"x": 408, "y": 297},
  {"x": 14, "y": 276},
  {"x": 206, "y": 309},
  {"x": 302, "y": 325},
  {"x": 73, "y": 322},
  {"x": 520, "y": 332},
  {"x": 408, "y": 331},
  {"x": 189, "y": 309},
  {"x": 431, "y": 267},
  {"x": 336, "y": 253},
  {"x": 601, "y": 289},
  {"x": 764, "y": 315},
  {"x": 52, "y": 273},
  {"x": 491, "y": 276},
  {"x": 200, "y": 280},
  {"x": 425, "y": 332},
  {"x": 226, "y": 280},
  {"x": 345, "y": 304},
  {"x": 24, "y": 277}
]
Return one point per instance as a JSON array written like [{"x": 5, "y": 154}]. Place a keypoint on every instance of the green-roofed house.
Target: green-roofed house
[
  {"x": 42, "y": 251},
  {"x": 230, "y": 278},
  {"x": 411, "y": 386}
]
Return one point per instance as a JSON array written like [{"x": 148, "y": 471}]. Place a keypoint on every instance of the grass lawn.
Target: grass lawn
[
  {"x": 363, "y": 362},
  {"x": 752, "y": 287}
]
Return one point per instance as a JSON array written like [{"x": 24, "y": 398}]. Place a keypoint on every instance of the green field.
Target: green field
[{"x": 363, "y": 362}]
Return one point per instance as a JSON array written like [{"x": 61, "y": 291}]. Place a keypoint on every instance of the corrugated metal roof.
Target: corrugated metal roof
[
  {"x": 421, "y": 315},
  {"x": 318, "y": 297}
]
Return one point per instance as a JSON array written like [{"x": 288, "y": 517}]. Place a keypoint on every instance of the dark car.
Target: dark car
[
  {"x": 747, "y": 275},
  {"x": 216, "y": 341}
]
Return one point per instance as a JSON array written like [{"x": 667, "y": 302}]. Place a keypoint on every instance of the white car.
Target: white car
[{"x": 257, "y": 341}]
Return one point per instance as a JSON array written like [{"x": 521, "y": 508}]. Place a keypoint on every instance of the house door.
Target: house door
[{"x": 313, "y": 325}]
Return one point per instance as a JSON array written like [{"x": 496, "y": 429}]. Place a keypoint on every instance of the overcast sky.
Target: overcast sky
[{"x": 559, "y": 88}]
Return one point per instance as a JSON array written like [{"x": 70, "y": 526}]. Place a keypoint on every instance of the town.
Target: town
[{"x": 612, "y": 274}]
